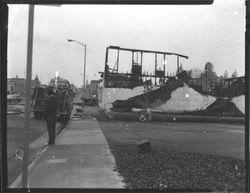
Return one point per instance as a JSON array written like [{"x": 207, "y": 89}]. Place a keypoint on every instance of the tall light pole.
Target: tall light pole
[{"x": 85, "y": 50}]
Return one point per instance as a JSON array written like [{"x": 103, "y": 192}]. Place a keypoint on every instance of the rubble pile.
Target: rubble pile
[
  {"x": 239, "y": 101},
  {"x": 178, "y": 97},
  {"x": 150, "y": 99},
  {"x": 223, "y": 107},
  {"x": 185, "y": 99}
]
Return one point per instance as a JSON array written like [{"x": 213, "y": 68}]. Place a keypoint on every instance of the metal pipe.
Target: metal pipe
[
  {"x": 85, "y": 50},
  {"x": 155, "y": 66},
  {"x": 118, "y": 54},
  {"x": 178, "y": 65},
  {"x": 132, "y": 58},
  {"x": 164, "y": 59},
  {"x": 105, "y": 68},
  {"x": 141, "y": 58}
]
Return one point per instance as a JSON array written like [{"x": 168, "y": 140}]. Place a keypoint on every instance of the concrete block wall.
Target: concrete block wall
[{"x": 109, "y": 95}]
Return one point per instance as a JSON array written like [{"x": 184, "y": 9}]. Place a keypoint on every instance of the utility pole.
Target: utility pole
[
  {"x": 27, "y": 97},
  {"x": 28, "y": 94}
]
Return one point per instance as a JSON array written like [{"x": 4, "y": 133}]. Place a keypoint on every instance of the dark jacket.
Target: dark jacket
[{"x": 50, "y": 107}]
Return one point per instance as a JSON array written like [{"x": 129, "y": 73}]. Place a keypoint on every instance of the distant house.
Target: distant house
[
  {"x": 11, "y": 86},
  {"x": 94, "y": 87},
  {"x": 17, "y": 85},
  {"x": 73, "y": 88}
]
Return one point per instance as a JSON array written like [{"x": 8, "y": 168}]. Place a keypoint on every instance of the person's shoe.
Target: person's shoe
[{"x": 50, "y": 143}]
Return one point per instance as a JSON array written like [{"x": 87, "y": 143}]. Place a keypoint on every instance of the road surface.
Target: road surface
[{"x": 206, "y": 138}]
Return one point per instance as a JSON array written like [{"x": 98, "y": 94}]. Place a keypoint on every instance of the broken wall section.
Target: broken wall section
[{"x": 185, "y": 99}]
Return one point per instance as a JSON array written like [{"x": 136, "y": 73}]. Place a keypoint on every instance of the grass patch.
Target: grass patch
[{"x": 182, "y": 170}]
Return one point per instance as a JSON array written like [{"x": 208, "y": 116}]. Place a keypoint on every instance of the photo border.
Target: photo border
[{"x": 3, "y": 90}]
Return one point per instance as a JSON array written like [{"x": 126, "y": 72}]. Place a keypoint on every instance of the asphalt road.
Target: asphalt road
[{"x": 207, "y": 138}]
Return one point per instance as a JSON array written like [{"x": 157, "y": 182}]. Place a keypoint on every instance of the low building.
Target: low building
[
  {"x": 11, "y": 85},
  {"x": 94, "y": 87},
  {"x": 17, "y": 85}
]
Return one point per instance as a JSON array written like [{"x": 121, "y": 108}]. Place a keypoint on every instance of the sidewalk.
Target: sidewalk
[{"x": 80, "y": 158}]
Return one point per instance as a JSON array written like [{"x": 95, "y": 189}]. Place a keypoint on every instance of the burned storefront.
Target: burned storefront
[
  {"x": 136, "y": 77},
  {"x": 160, "y": 91},
  {"x": 118, "y": 85}
]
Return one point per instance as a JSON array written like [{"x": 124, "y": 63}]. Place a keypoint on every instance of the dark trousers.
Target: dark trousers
[{"x": 51, "y": 127}]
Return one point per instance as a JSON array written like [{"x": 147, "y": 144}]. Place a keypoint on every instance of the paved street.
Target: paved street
[{"x": 206, "y": 138}]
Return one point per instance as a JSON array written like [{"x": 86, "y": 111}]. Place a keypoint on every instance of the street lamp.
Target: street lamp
[{"x": 84, "y": 72}]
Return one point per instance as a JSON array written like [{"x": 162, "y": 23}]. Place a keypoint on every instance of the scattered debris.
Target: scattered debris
[
  {"x": 19, "y": 154},
  {"x": 143, "y": 146}
]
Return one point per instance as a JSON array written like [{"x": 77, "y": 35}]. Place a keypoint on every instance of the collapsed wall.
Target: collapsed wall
[
  {"x": 174, "y": 97},
  {"x": 239, "y": 102},
  {"x": 185, "y": 99},
  {"x": 150, "y": 99},
  {"x": 222, "y": 107},
  {"x": 108, "y": 95},
  {"x": 178, "y": 97}
]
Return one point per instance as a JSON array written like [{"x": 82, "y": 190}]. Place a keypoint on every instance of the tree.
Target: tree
[
  {"x": 235, "y": 74},
  {"x": 209, "y": 77},
  {"x": 209, "y": 68},
  {"x": 189, "y": 73},
  {"x": 209, "y": 73},
  {"x": 196, "y": 73},
  {"x": 225, "y": 74}
]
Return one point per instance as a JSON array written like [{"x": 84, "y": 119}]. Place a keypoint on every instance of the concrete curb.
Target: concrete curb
[
  {"x": 119, "y": 176},
  {"x": 36, "y": 159},
  {"x": 178, "y": 118},
  {"x": 17, "y": 182}
]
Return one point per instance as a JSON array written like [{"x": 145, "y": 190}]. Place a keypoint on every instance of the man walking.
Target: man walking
[{"x": 50, "y": 115}]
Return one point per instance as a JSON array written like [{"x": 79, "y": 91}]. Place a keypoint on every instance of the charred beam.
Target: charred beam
[{"x": 146, "y": 51}]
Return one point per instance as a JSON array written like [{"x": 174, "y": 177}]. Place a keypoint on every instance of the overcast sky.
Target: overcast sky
[{"x": 213, "y": 33}]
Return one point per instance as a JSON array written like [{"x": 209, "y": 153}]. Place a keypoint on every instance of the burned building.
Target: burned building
[{"x": 119, "y": 85}]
